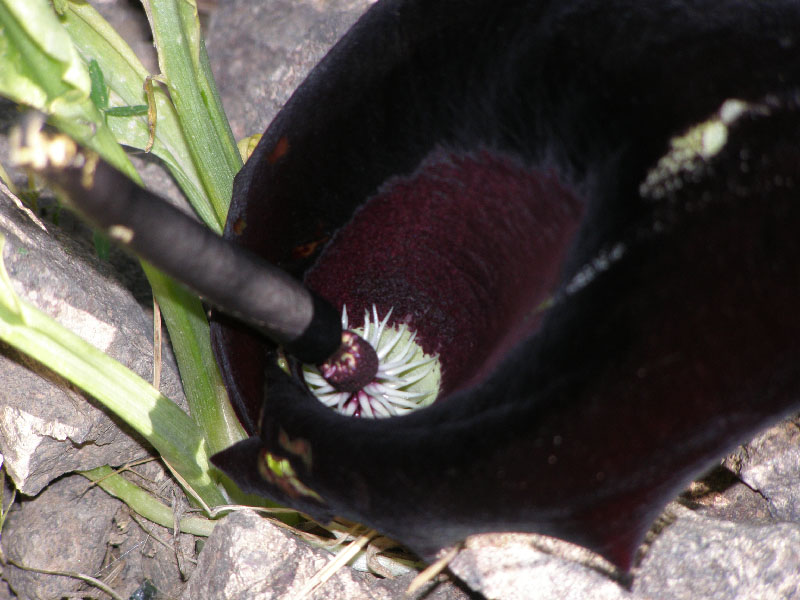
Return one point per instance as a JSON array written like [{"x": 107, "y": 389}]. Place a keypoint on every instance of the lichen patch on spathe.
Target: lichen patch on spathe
[{"x": 689, "y": 152}]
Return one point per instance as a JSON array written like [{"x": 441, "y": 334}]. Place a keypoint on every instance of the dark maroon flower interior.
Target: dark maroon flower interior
[
  {"x": 582, "y": 420},
  {"x": 466, "y": 251}
]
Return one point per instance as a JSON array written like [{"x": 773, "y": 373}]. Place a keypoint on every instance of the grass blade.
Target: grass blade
[
  {"x": 156, "y": 418},
  {"x": 125, "y": 77},
  {"x": 184, "y": 66}
]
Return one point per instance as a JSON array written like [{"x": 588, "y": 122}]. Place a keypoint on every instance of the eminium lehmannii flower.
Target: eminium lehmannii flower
[
  {"x": 406, "y": 378},
  {"x": 611, "y": 316}
]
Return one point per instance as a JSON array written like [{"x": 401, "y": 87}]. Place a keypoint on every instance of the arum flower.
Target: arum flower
[
  {"x": 532, "y": 189},
  {"x": 586, "y": 218}
]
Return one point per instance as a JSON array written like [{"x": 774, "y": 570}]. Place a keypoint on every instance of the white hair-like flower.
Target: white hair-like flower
[{"x": 406, "y": 379}]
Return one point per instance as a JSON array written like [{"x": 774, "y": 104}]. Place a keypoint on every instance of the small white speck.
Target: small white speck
[{"x": 120, "y": 233}]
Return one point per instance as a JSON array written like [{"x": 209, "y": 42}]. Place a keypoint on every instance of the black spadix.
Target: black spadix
[
  {"x": 586, "y": 208},
  {"x": 230, "y": 277}
]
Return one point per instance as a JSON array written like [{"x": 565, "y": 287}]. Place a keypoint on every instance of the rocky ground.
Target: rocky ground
[{"x": 735, "y": 535}]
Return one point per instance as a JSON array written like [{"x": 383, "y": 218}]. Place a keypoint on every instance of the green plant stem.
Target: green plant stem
[
  {"x": 144, "y": 503},
  {"x": 183, "y": 312},
  {"x": 184, "y": 65},
  {"x": 191, "y": 341},
  {"x": 125, "y": 75}
]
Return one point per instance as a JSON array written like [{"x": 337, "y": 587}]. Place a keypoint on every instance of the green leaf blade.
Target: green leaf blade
[
  {"x": 156, "y": 418},
  {"x": 125, "y": 75},
  {"x": 184, "y": 63}
]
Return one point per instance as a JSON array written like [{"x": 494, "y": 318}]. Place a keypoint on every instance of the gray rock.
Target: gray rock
[
  {"x": 73, "y": 526},
  {"x": 770, "y": 464},
  {"x": 46, "y": 427},
  {"x": 5, "y": 592},
  {"x": 261, "y": 51},
  {"x": 139, "y": 550},
  {"x": 722, "y": 495},
  {"x": 128, "y": 22},
  {"x": 700, "y": 557},
  {"x": 693, "y": 556},
  {"x": 50, "y": 534},
  {"x": 515, "y": 566},
  {"x": 247, "y": 557}
]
